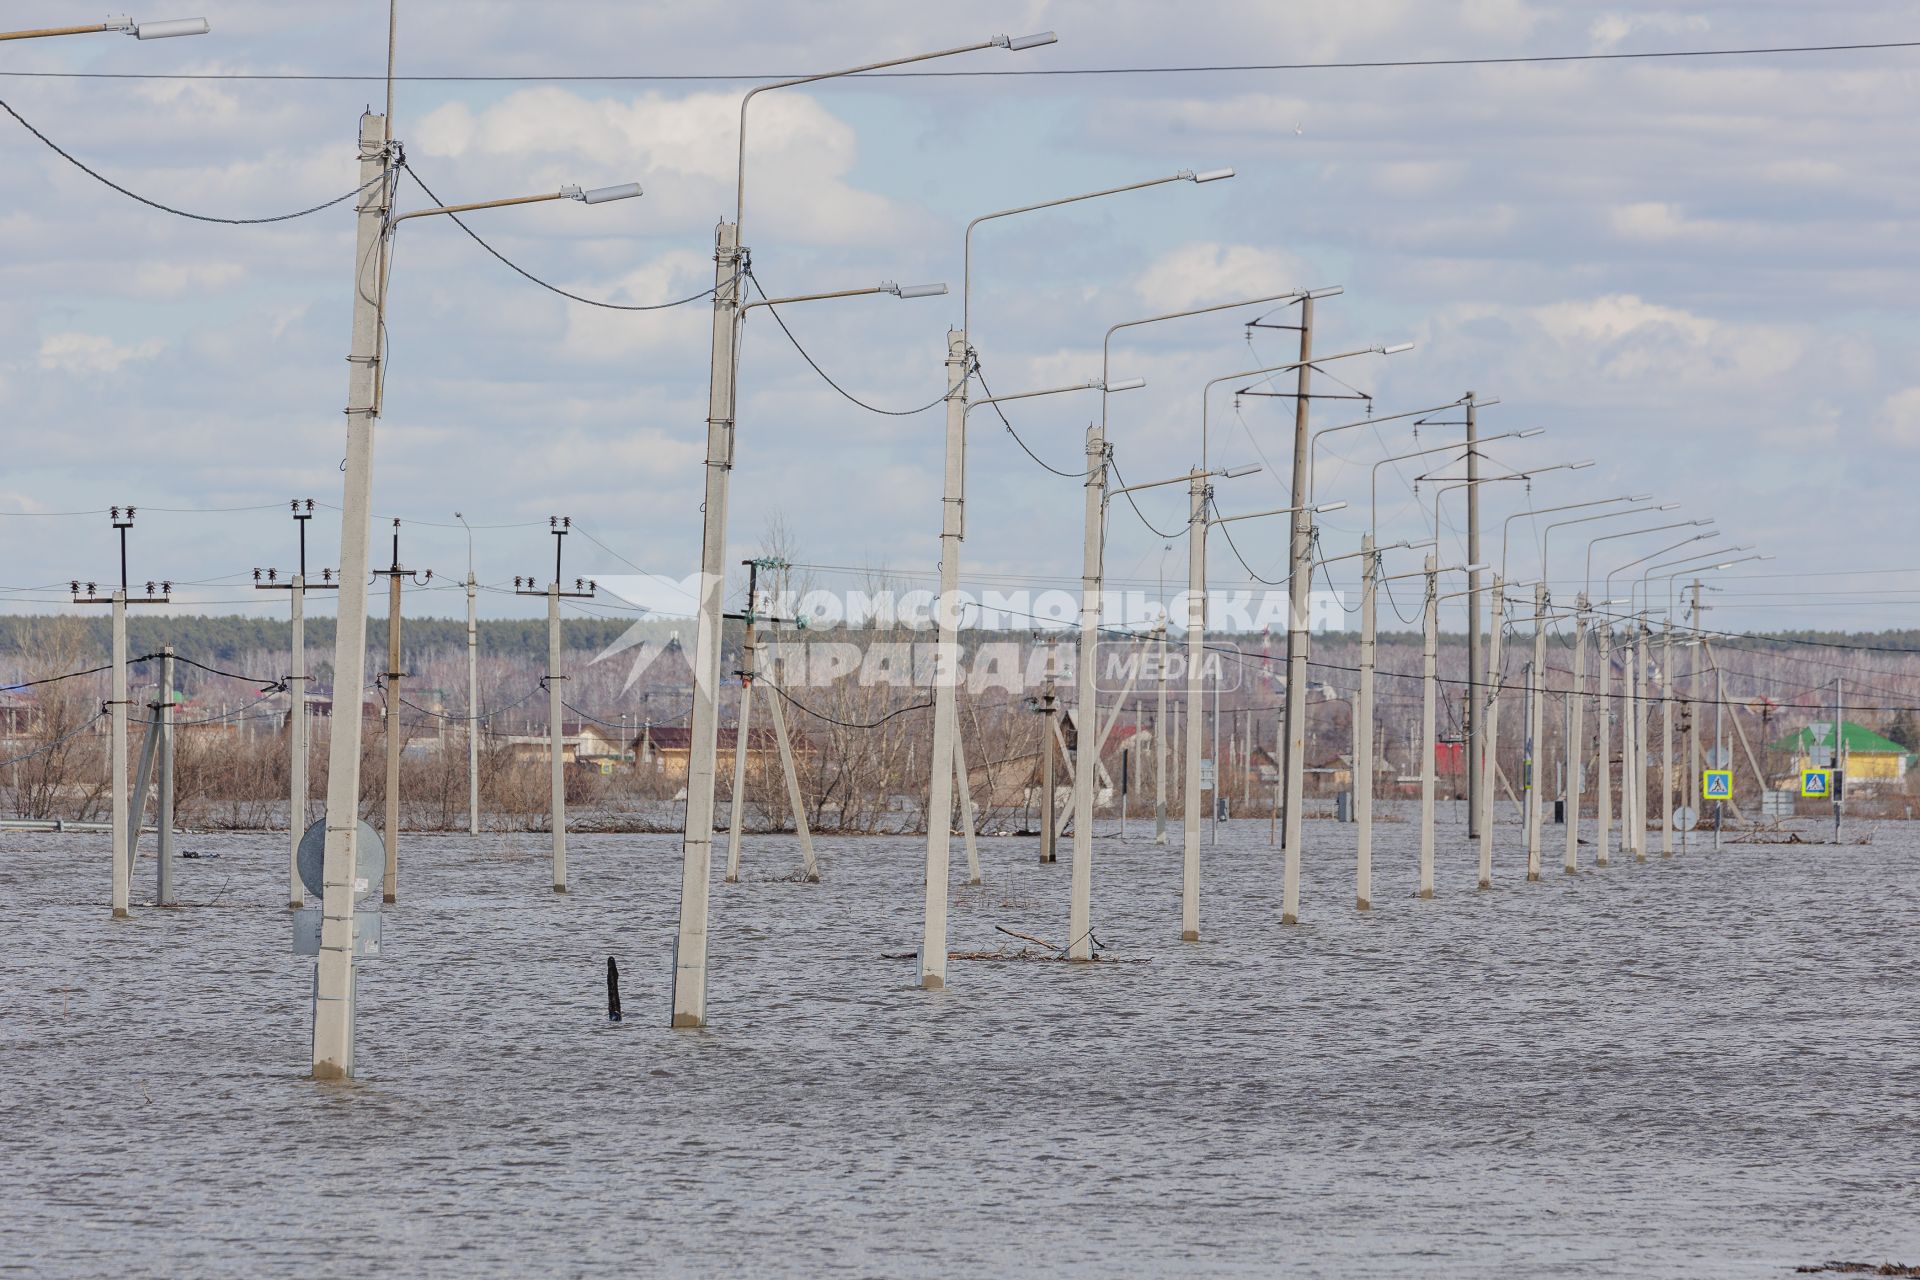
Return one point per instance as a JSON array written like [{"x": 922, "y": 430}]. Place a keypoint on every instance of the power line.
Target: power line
[
  {"x": 1068, "y": 475},
  {"x": 1374, "y": 64},
  {"x": 552, "y": 288},
  {"x": 848, "y": 395},
  {"x": 167, "y": 208}
]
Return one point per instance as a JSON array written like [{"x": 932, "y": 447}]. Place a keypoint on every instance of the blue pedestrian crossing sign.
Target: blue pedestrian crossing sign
[
  {"x": 1816, "y": 782},
  {"x": 1716, "y": 784}
]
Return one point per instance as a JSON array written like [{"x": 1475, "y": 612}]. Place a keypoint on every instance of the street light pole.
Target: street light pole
[
  {"x": 933, "y": 937},
  {"x": 1200, "y": 498},
  {"x": 334, "y": 990},
  {"x": 945, "y": 764},
  {"x": 696, "y": 854},
  {"x": 334, "y": 995}
]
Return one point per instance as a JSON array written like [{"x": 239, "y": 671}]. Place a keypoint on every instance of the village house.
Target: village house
[
  {"x": 1869, "y": 758},
  {"x": 665, "y": 748}
]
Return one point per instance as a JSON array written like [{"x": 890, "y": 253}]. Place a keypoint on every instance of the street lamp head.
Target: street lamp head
[
  {"x": 1708, "y": 520},
  {"x": 1475, "y": 568},
  {"x": 1017, "y": 43},
  {"x": 1668, "y": 506},
  {"x": 1126, "y": 384},
  {"x": 171, "y": 27},
  {"x": 1421, "y": 545},
  {"x": 1638, "y": 497},
  {"x": 1206, "y": 175},
  {"x": 912, "y": 290},
  {"x": 600, "y": 195},
  {"x": 1530, "y": 433},
  {"x": 1581, "y": 466},
  {"x": 1395, "y": 349},
  {"x": 1330, "y": 506},
  {"x": 1244, "y": 469}
]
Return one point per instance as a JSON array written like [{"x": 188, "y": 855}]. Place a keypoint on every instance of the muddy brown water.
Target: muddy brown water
[{"x": 1701, "y": 1067}]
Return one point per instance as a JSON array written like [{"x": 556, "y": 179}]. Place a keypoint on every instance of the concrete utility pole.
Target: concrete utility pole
[
  {"x": 1490, "y": 729},
  {"x": 1160, "y": 732},
  {"x": 334, "y": 989},
  {"x": 1429, "y": 654},
  {"x": 333, "y": 1008},
  {"x": 949, "y": 754},
  {"x": 750, "y": 676},
  {"x": 1836, "y": 788},
  {"x": 1603, "y": 768},
  {"x": 730, "y": 264},
  {"x": 1636, "y": 684},
  {"x": 1536, "y": 727},
  {"x": 1049, "y": 734},
  {"x": 1363, "y": 725},
  {"x": 1199, "y": 498},
  {"x": 947, "y": 744},
  {"x": 122, "y": 518},
  {"x": 297, "y": 679},
  {"x": 1086, "y": 756},
  {"x": 163, "y": 888},
  {"x": 396, "y": 727},
  {"x": 1299, "y": 581},
  {"x": 560, "y": 527},
  {"x": 1473, "y": 619},
  {"x": 1198, "y": 492},
  {"x": 1695, "y": 778},
  {"x": 473, "y": 690},
  {"x": 1087, "y": 762},
  {"x": 1666, "y": 740},
  {"x": 1576, "y": 730}
]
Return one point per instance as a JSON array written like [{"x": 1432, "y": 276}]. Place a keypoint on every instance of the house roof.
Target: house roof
[
  {"x": 1860, "y": 740},
  {"x": 678, "y": 737}
]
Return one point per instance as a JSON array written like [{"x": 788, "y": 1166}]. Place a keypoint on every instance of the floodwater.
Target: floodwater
[{"x": 1705, "y": 1066}]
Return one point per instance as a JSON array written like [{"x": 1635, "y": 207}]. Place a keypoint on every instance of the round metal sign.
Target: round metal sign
[
  {"x": 372, "y": 859},
  {"x": 1685, "y": 818},
  {"x": 1719, "y": 757}
]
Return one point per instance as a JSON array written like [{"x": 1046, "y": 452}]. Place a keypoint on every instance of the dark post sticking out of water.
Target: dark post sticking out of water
[{"x": 613, "y": 991}]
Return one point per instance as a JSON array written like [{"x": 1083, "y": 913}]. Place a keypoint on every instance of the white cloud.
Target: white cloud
[
  {"x": 1610, "y": 29},
  {"x": 1898, "y": 422},
  {"x": 175, "y": 279},
  {"x": 681, "y": 149},
  {"x": 1206, "y": 271},
  {"x": 91, "y": 353}
]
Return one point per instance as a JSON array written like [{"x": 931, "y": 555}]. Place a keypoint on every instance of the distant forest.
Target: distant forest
[{"x": 230, "y": 638}]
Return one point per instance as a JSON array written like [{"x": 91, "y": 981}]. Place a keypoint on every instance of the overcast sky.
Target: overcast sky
[{"x": 1700, "y": 273}]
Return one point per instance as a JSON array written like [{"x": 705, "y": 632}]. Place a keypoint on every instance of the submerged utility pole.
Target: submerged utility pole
[
  {"x": 396, "y": 731},
  {"x": 119, "y": 599},
  {"x": 1160, "y": 732},
  {"x": 559, "y": 526},
  {"x": 1473, "y": 727},
  {"x": 473, "y": 690},
  {"x": 1576, "y": 712},
  {"x": 1490, "y": 731},
  {"x": 333, "y": 1006},
  {"x": 1049, "y": 709},
  {"x": 1536, "y": 727},
  {"x": 1299, "y": 580},
  {"x": 750, "y": 675},
  {"x": 297, "y": 588},
  {"x": 1198, "y": 493}
]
